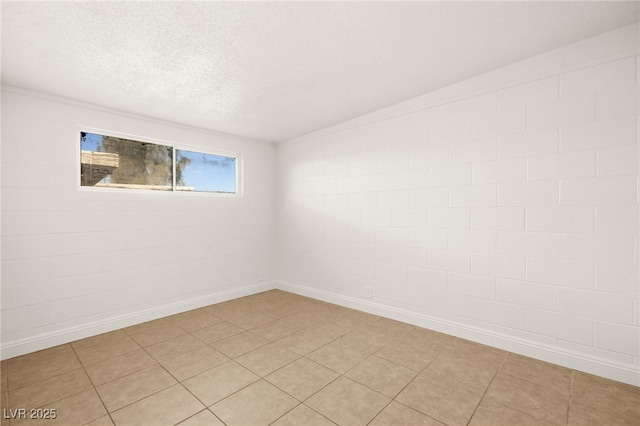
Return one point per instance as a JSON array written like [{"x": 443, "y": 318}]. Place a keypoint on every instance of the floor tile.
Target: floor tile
[
  {"x": 306, "y": 340},
  {"x": 248, "y": 321},
  {"x": 476, "y": 373},
  {"x": 276, "y": 330},
  {"x": 346, "y": 402},
  {"x": 423, "y": 336},
  {"x": 542, "y": 373},
  {"x": 217, "y": 332},
  {"x": 351, "y": 319},
  {"x": 109, "y": 337},
  {"x": 50, "y": 390},
  {"x": 122, "y": 365},
  {"x": 235, "y": 308},
  {"x": 157, "y": 334},
  {"x": 134, "y": 387},
  {"x": 260, "y": 403},
  {"x": 203, "y": 418},
  {"x": 146, "y": 326},
  {"x": 472, "y": 353},
  {"x": 381, "y": 375},
  {"x": 195, "y": 362},
  {"x": 333, "y": 328},
  {"x": 41, "y": 365},
  {"x": 4, "y": 403},
  {"x": 167, "y": 407},
  {"x": 267, "y": 359},
  {"x": 368, "y": 339},
  {"x": 283, "y": 309},
  {"x": 220, "y": 382},
  {"x": 303, "y": 415},
  {"x": 56, "y": 353},
  {"x": 3, "y": 375},
  {"x": 239, "y": 344},
  {"x": 103, "y": 351},
  {"x": 598, "y": 390},
  {"x": 595, "y": 398},
  {"x": 304, "y": 319},
  {"x": 321, "y": 364},
  {"x": 102, "y": 421},
  {"x": 582, "y": 413},
  {"x": 175, "y": 346},
  {"x": 490, "y": 413},
  {"x": 396, "y": 414},
  {"x": 444, "y": 393},
  {"x": 78, "y": 409},
  {"x": 338, "y": 356},
  {"x": 253, "y": 302},
  {"x": 302, "y": 378},
  {"x": 410, "y": 354},
  {"x": 545, "y": 404},
  {"x": 397, "y": 328},
  {"x": 191, "y": 322}
]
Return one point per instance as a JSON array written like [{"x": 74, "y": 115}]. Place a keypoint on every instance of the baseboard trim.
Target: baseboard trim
[
  {"x": 624, "y": 373},
  {"x": 13, "y": 348}
]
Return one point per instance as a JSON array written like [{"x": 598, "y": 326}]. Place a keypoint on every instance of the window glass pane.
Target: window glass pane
[
  {"x": 197, "y": 171},
  {"x": 108, "y": 161}
]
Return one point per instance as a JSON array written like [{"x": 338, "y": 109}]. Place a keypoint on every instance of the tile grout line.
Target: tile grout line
[
  {"x": 179, "y": 382},
  {"x": 339, "y": 375},
  {"x": 95, "y": 390},
  {"x": 413, "y": 380},
  {"x": 157, "y": 364},
  {"x": 209, "y": 345},
  {"x": 487, "y": 388},
  {"x": 573, "y": 377},
  {"x": 322, "y": 320}
]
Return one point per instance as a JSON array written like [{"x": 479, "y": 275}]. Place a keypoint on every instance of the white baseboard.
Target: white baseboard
[
  {"x": 609, "y": 369},
  {"x": 12, "y": 348},
  {"x": 578, "y": 361}
]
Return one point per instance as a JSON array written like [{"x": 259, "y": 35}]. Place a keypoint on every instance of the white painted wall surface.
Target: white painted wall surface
[
  {"x": 503, "y": 209},
  {"x": 77, "y": 262}
]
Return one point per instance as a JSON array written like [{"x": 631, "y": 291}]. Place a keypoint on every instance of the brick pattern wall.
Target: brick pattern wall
[
  {"x": 514, "y": 210},
  {"x": 73, "y": 256}
]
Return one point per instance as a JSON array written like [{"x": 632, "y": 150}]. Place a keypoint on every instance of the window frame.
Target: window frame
[{"x": 174, "y": 146}]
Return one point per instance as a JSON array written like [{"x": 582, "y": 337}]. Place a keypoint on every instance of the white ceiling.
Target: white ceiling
[{"x": 277, "y": 70}]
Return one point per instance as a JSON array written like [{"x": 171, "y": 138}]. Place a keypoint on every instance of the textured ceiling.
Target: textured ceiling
[{"x": 277, "y": 70}]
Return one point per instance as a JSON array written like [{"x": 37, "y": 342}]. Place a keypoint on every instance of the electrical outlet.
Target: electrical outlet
[
  {"x": 260, "y": 276},
  {"x": 369, "y": 292}
]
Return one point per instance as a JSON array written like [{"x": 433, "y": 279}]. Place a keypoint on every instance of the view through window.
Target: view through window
[
  {"x": 114, "y": 162},
  {"x": 197, "y": 171}
]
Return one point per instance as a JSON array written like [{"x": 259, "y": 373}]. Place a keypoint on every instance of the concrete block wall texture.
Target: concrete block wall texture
[
  {"x": 78, "y": 261},
  {"x": 503, "y": 209}
]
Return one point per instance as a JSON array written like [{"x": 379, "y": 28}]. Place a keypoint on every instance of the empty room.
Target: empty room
[{"x": 320, "y": 213}]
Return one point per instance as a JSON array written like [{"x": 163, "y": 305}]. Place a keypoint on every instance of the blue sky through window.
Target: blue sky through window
[
  {"x": 208, "y": 172},
  {"x": 91, "y": 141}
]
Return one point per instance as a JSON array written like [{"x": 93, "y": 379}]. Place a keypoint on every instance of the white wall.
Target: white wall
[
  {"x": 77, "y": 262},
  {"x": 503, "y": 209}
]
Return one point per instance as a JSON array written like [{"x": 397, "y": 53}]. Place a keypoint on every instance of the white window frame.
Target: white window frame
[{"x": 174, "y": 146}]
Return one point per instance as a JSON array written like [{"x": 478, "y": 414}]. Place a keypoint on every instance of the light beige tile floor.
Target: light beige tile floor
[{"x": 282, "y": 359}]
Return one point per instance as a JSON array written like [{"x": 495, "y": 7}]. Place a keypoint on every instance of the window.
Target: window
[
  {"x": 115, "y": 162},
  {"x": 197, "y": 171},
  {"x": 112, "y": 162}
]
